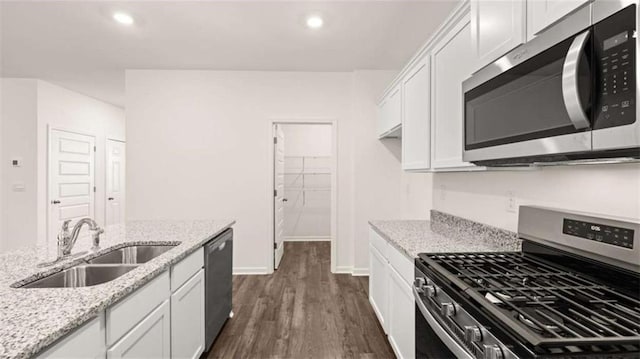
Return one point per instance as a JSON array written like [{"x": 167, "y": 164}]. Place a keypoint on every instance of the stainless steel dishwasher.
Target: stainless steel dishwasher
[{"x": 218, "y": 261}]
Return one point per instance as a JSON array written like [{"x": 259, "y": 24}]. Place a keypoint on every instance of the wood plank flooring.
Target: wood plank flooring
[{"x": 302, "y": 311}]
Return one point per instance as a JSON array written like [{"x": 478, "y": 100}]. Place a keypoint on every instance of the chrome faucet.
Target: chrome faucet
[{"x": 66, "y": 239}]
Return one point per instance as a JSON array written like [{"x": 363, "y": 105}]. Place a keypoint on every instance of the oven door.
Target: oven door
[
  {"x": 433, "y": 341},
  {"x": 534, "y": 101}
]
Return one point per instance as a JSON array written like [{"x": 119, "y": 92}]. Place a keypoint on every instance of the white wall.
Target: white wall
[
  {"x": 307, "y": 139},
  {"x": 198, "y": 148},
  {"x": 62, "y": 109},
  {"x": 30, "y": 108},
  {"x": 604, "y": 189},
  {"x": 18, "y": 123},
  {"x": 307, "y": 165}
]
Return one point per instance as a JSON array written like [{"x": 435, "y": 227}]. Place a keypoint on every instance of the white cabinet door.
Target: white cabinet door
[
  {"x": 85, "y": 342},
  {"x": 497, "y": 26},
  {"x": 151, "y": 338},
  {"x": 187, "y": 319},
  {"x": 416, "y": 127},
  {"x": 390, "y": 111},
  {"x": 452, "y": 63},
  {"x": 543, "y": 13},
  {"x": 378, "y": 285},
  {"x": 401, "y": 316}
]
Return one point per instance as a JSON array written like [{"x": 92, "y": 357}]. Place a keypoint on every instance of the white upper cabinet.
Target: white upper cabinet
[
  {"x": 452, "y": 63},
  {"x": 497, "y": 27},
  {"x": 390, "y": 113},
  {"x": 543, "y": 13},
  {"x": 416, "y": 126}
]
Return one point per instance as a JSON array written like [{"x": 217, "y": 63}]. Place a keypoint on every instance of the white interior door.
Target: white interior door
[
  {"x": 71, "y": 178},
  {"x": 115, "y": 182},
  {"x": 278, "y": 198}
]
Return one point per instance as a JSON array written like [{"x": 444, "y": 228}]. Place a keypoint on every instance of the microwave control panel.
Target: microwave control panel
[
  {"x": 615, "y": 60},
  {"x": 621, "y": 237}
]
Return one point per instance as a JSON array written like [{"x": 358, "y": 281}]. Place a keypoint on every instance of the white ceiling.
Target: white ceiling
[{"x": 77, "y": 45}]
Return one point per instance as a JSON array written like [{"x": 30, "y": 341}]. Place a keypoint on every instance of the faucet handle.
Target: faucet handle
[
  {"x": 95, "y": 235},
  {"x": 64, "y": 231}
]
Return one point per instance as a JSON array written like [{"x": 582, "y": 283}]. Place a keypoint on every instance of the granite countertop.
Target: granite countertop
[
  {"x": 32, "y": 319},
  {"x": 445, "y": 233}
]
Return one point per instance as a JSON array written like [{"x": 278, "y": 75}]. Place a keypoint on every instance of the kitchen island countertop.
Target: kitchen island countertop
[{"x": 33, "y": 319}]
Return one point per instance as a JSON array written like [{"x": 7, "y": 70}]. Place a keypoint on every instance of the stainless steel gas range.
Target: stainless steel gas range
[{"x": 573, "y": 292}]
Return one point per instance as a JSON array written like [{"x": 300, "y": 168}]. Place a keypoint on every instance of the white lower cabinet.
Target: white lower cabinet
[
  {"x": 391, "y": 296},
  {"x": 378, "y": 285},
  {"x": 150, "y": 338},
  {"x": 85, "y": 342},
  {"x": 187, "y": 318},
  {"x": 163, "y": 319},
  {"x": 401, "y": 316}
]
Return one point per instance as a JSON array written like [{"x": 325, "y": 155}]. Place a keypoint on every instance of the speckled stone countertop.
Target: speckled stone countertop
[
  {"x": 445, "y": 233},
  {"x": 32, "y": 319}
]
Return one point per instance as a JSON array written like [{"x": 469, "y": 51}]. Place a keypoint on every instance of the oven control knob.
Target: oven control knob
[
  {"x": 419, "y": 284},
  {"x": 472, "y": 333},
  {"x": 492, "y": 351},
  {"x": 430, "y": 290},
  {"x": 448, "y": 309}
]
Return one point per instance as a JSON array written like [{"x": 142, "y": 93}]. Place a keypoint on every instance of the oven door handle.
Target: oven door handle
[
  {"x": 570, "y": 86},
  {"x": 446, "y": 338}
]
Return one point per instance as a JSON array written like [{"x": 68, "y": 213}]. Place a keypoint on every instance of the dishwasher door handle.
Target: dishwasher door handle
[{"x": 218, "y": 247}]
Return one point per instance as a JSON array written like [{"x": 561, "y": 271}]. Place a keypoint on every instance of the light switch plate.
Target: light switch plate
[{"x": 18, "y": 187}]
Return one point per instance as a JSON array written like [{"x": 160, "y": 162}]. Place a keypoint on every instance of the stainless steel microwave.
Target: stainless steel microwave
[{"x": 570, "y": 93}]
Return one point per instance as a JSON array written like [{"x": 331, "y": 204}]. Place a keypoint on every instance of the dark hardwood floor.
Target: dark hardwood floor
[{"x": 302, "y": 311}]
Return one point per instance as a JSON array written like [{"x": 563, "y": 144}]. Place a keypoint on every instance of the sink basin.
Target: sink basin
[
  {"x": 131, "y": 254},
  {"x": 82, "y": 276}
]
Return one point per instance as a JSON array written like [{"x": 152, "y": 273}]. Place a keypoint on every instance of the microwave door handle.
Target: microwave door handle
[{"x": 570, "y": 88}]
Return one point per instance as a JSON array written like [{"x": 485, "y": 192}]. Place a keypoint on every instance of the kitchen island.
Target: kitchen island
[{"x": 32, "y": 319}]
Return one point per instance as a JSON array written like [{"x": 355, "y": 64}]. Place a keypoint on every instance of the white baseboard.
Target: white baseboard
[
  {"x": 250, "y": 270},
  {"x": 352, "y": 271},
  {"x": 343, "y": 270},
  {"x": 360, "y": 272},
  {"x": 307, "y": 239}
]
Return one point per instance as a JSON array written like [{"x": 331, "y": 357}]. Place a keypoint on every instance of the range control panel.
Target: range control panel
[{"x": 617, "y": 236}]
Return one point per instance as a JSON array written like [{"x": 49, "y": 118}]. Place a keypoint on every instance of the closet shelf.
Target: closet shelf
[
  {"x": 307, "y": 173},
  {"x": 308, "y": 189}
]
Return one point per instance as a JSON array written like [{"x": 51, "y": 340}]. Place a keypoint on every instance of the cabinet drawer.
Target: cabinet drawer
[
  {"x": 124, "y": 315},
  {"x": 185, "y": 269},
  {"x": 402, "y": 265},
  {"x": 378, "y": 242},
  {"x": 84, "y": 342}
]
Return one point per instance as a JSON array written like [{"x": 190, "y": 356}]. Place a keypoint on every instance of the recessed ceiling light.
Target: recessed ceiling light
[
  {"x": 314, "y": 22},
  {"x": 124, "y": 19}
]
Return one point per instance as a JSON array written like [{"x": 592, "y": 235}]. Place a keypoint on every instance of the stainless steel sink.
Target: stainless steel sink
[
  {"x": 82, "y": 275},
  {"x": 131, "y": 254}
]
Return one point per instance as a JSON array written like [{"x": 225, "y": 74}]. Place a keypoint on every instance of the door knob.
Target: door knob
[
  {"x": 110, "y": 198},
  {"x": 55, "y": 201},
  {"x": 285, "y": 200}
]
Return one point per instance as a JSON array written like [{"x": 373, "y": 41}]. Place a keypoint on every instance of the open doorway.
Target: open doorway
[{"x": 304, "y": 180}]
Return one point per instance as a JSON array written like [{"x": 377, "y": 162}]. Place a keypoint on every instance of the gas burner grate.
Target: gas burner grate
[{"x": 545, "y": 304}]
